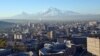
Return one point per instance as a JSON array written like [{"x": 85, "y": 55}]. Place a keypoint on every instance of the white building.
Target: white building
[{"x": 18, "y": 36}]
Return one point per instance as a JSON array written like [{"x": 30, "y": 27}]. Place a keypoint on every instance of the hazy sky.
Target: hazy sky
[{"x": 12, "y": 7}]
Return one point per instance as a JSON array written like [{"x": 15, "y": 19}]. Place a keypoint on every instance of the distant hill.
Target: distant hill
[{"x": 5, "y": 24}]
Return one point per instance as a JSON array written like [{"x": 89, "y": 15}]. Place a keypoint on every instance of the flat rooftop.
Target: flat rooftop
[
  {"x": 2, "y": 49},
  {"x": 94, "y": 36}
]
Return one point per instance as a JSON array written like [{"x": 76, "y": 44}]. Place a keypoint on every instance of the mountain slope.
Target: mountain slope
[
  {"x": 5, "y": 24},
  {"x": 52, "y": 14}
]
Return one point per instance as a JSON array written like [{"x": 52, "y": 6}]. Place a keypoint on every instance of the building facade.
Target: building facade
[{"x": 93, "y": 45}]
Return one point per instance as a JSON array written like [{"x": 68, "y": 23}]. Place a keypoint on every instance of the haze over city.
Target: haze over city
[{"x": 9, "y": 8}]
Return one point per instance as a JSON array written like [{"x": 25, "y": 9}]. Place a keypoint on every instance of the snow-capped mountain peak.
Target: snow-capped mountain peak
[{"x": 52, "y": 12}]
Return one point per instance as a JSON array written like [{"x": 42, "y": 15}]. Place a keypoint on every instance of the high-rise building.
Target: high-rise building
[{"x": 93, "y": 44}]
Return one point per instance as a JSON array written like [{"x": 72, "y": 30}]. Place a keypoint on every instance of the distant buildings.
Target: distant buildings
[
  {"x": 47, "y": 39},
  {"x": 50, "y": 34},
  {"x": 18, "y": 36}
]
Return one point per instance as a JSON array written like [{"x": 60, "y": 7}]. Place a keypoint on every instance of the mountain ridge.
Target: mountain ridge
[{"x": 55, "y": 14}]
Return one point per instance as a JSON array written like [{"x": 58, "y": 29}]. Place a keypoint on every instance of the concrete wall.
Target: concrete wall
[{"x": 93, "y": 45}]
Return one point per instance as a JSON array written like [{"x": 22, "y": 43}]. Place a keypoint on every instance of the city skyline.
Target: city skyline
[{"x": 13, "y": 7}]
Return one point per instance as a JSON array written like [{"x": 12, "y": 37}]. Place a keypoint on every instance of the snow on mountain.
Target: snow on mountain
[
  {"x": 52, "y": 12},
  {"x": 55, "y": 14},
  {"x": 49, "y": 12}
]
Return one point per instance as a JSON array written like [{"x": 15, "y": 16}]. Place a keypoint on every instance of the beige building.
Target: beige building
[
  {"x": 50, "y": 34},
  {"x": 93, "y": 45}
]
